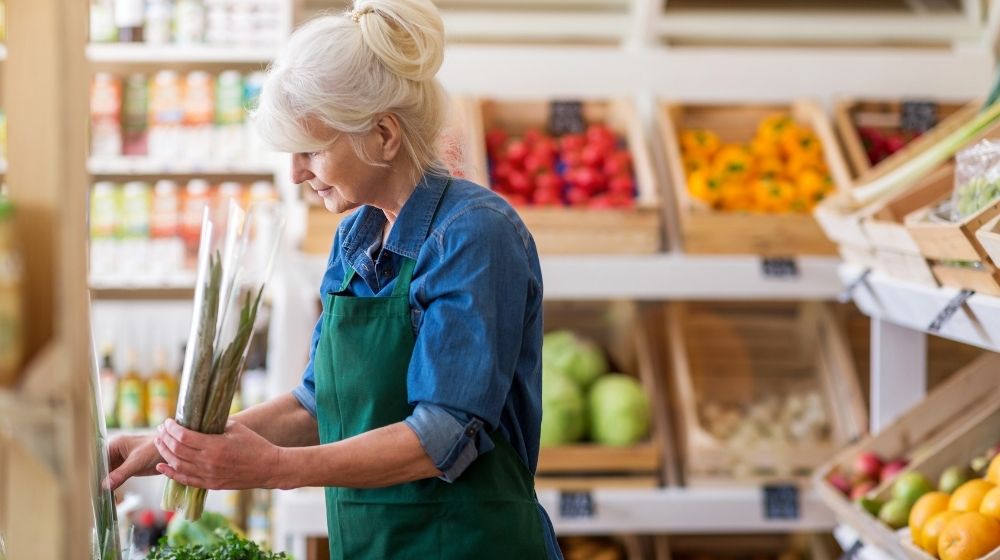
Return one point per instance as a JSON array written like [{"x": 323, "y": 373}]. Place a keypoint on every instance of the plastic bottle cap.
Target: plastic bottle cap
[
  {"x": 197, "y": 186},
  {"x": 165, "y": 187}
]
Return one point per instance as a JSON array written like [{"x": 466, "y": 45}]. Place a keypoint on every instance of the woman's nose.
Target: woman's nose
[{"x": 300, "y": 168}]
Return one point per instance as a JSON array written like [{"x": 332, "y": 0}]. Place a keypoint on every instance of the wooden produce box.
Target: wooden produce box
[
  {"x": 885, "y": 115},
  {"x": 916, "y": 436},
  {"x": 730, "y": 361},
  {"x": 945, "y": 242},
  {"x": 618, "y": 328},
  {"x": 707, "y": 231},
  {"x": 571, "y": 230},
  {"x": 841, "y": 216},
  {"x": 896, "y": 251},
  {"x": 989, "y": 238}
]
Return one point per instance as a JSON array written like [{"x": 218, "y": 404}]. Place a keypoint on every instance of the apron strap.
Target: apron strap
[
  {"x": 347, "y": 279},
  {"x": 402, "y": 287}
]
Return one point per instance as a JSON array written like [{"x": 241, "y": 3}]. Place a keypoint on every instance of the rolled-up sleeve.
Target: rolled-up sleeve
[
  {"x": 305, "y": 392},
  {"x": 474, "y": 297}
]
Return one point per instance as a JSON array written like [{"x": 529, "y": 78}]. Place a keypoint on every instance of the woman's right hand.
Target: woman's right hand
[{"x": 131, "y": 455}]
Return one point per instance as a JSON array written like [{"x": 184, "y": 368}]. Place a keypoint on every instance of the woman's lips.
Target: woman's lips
[{"x": 323, "y": 192}]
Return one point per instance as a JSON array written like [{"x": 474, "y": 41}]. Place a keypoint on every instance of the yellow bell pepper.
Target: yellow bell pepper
[
  {"x": 770, "y": 168},
  {"x": 733, "y": 162},
  {"x": 736, "y": 196},
  {"x": 770, "y": 129},
  {"x": 699, "y": 142},
  {"x": 774, "y": 196},
  {"x": 696, "y": 162},
  {"x": 800, "y": 141},
  {"x": 704, "y": 187}
]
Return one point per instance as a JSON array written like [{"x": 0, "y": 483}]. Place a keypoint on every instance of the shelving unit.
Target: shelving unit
[
  {"x": 137, "y": 53},
  {"x": 124, "y": 166}
]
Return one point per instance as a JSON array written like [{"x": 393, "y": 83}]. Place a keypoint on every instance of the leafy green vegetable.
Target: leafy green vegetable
[{"x": 228, "y": 547}]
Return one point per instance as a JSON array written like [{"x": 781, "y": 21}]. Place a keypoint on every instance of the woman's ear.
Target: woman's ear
[{"x": 390, "y": 134}]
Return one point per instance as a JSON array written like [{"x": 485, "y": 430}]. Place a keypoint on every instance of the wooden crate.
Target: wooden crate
[
  {"x": 618, "y": 328},
  {"x": 566, "y": 230},
  {"x": 737, "y": 353},
  {"x": 706, "y": 231},
  {"x": 915, "y": 436},
  {"x": 989, "y": 238},
  {"x": 942, "y": 242},
  {"x": 840, "y": 216},
  {"x": 896, "y": 252},
  {"x": 850, "y": 114}
]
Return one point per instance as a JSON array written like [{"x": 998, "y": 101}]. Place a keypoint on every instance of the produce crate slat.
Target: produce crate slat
[
  {"x": 915, "y": 435},
  {"x": 708, "y": 231}
]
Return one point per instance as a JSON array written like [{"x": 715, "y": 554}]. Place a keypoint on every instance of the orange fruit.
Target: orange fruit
[
  {"x": 968, "y": 496},
  {"x": 993, "y": 473},
  {"x": 990, "y": 506},
  {"x": 932, "y": 531},
  {"x": 926, "y": 507},
  {"x": 699, "y": 142},
  {"x": 969, "y": 536}
]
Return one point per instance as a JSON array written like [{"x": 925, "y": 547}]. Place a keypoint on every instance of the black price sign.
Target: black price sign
[
  {"x": 779, "y": 268},
  {"x": 949, "y": 311},
  {"x": 781, "y": 501},
  {"x": 566, "y": 117},
  {"x": 918, "y": 116},
  {"x": 576, "y": 505}
]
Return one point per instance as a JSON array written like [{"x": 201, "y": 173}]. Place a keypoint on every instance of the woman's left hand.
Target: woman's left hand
[{"x": 237, "y": 459}]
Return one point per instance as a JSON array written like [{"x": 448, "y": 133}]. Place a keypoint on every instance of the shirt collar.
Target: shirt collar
[{"x": 412, "y": 225}]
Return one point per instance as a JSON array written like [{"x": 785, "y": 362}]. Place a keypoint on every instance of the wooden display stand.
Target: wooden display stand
[
  {"x": 46, "y": 453},
  {"x": 566, "y": 230},
  {"x": 619, "y": 330},
  {"x": 922, "y": 435},
  {"x": 732, "y": 354},
  {"x": 707, "y": 231}
]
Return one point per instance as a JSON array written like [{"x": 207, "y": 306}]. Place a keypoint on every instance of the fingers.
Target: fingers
[
  {"x": 190, "y": 438},
  {"x": 177, "y": 449},
  {"x": 185, "y": 478},
  {"x": 128, "y": 468}
]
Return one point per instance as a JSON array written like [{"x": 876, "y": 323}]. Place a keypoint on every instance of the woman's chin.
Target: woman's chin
[{"x": 338, "y": 205}]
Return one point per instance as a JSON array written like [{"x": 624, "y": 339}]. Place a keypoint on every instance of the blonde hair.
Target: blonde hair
[{"x": 343, "y": 71}]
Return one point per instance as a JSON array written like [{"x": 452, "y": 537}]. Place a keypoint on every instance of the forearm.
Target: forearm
[
  {"x": 384, "y": 457},
  {"x": 282, "y": 421}
]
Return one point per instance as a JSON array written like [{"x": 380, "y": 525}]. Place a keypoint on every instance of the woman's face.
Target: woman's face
[{"x": 338, "y": 175}]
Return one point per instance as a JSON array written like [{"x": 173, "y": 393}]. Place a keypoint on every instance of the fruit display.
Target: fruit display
[
  {"x": 880, "y": 143},
  {"x": 779, "y": 170},
  {"x": 592, "y": 169},
  {"x": 869, "y": 471},
  {"x": 581, "y": 398},
  {"x": 977, "y": 179}
]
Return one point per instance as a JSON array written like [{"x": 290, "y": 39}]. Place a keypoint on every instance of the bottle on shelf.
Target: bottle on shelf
[
  {"x": 229, "y": 115},
  {"x": 109, "y": 388},
  {"x": 131, "y": 396},
  {"x": 161, "y": 392},
  {"x": 102, "y": 22},
  {"x": 166, "y": 113},
  {"x": 129, "y": 16},
  {"x": 199, "y": 114},
  {"x": 105, "y": 116},
  {"x": 189, "y": 19},
  {"x": 135, "y": 119},
  {"x": 11, "y": 296},
  {"x": 158, "y": 24},
  {"x": 196, "y": 199},
  {"x": 133, "y": 233},
  {"x": 225, "y": 193},
  {"x": 103, "y": 227},
  {"x": 167, "y": 249}
]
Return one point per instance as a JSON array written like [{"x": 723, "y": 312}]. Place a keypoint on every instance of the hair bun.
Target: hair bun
[{"x": 406, "y": 35}]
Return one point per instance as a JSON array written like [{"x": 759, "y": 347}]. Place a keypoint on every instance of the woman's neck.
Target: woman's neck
[{"x": 398, "y": 187}]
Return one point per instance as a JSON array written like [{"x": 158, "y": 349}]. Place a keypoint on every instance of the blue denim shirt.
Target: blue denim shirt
[{"x": 476, "y": 301}]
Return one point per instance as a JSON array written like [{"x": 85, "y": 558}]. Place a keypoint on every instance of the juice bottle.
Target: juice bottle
[
  {"x": 161, "y": 393},
  {"x": 158, "y": 25},
  {"x": 227, "y": 192},
  {"x": 109, "y": 388},
  {"x": 166, "y": 112},
  {"x": 254, "y": 147},
  {"x": 105, "y": 116},
  {"x": 135, "y": 117},
  {"x": 189, "y": 19},
  {"x": 102, "y": 22},
  {"x": 167, "y": 249},
  {"x": 228, "y": 143},
  {"x": 11, "y": 296},
  {"x": 131, "y": 397},
  {"x": 103, "y": 211},
  {"x": 195, "y": 202},
  {"x": 199, "y": 113},
  {"x": 135, "y": 211}
]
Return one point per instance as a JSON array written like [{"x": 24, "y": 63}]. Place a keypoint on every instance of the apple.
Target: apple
[
  {"x": 532, "y": 135},
  {"x": 894, "y": 143},
  {"x": 577, "y": 196},
  {"x": 602, "y": 202},
  {"x": 593, "y": 156},
  {"x": 622, "y": 184},
  {"x": 519, "y": 182},
  {"x": 892, "y": 468},
  {"x": 517, "y": 199},
  {"x": 868, "y": 465},
  {"x": 910, "y": 486},
  {"x": 840, "y": 482},
  {"x": 548, "y": 181},
  {"x": 547, "y": 197},
  {"x": 516, "y": 152},
  {"x": 601, "y": 135},
  {"x": 953, "y": 477},
  {"x": 618, "y": 163},
  {"x": 861, "y": 489},
  {"x": 622, "y": 200},
  {"x": 495, "y": 140},
  {"x": 572, "y": 142},
  {"x": 535, "y": 163}
]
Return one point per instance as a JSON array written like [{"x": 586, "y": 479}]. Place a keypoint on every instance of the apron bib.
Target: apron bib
[{"x": 360, "y": 366}]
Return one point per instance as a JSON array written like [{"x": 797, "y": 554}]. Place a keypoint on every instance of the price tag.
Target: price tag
[
  {"x": 848, "y": 293},
  {"x": 781, "y": 501},
  {"x": 779, "y": 268},
  {"x": 918, "y": 116},
  {"x": 566, "y": 117},
  {"x": 949, "y": 311},
  {"x": 576, "y": 505},
  {"x": 852, "y": 552}
]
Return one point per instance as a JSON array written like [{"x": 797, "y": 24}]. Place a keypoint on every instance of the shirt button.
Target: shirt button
[{"x": 471, "y": 431}]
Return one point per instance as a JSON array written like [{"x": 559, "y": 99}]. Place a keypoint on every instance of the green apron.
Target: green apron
[{"x": 361, "y": 362}]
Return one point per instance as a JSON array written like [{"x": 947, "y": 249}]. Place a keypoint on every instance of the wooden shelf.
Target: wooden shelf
[{"x": 138, "y": 53}]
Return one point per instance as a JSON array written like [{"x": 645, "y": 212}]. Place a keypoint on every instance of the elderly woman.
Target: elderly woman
[{"x": 420, "y": 409}]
